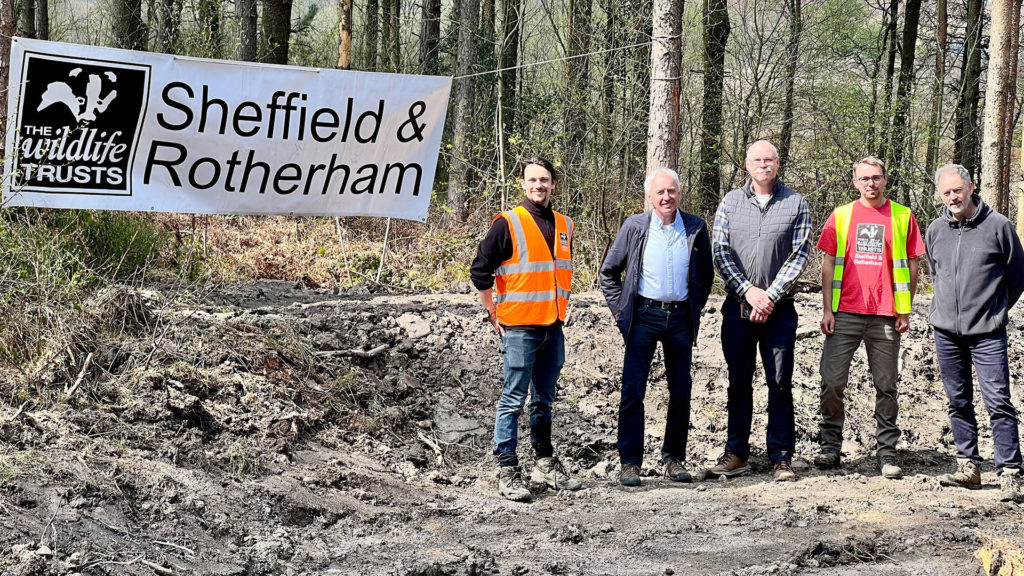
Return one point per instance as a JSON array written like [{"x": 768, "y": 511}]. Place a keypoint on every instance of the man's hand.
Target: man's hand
[
  {"x": 759, "y": 299},
  {"x": 828, "y": 322},
  {"x": 758, "y": 317},
  {"x": 488, "y": 303},
  {"x": 902, "y": 323},
  {"x": 492, "y": 317}
]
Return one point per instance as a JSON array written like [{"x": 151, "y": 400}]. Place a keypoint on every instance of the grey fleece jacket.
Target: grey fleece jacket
[{"x": 977, "y": 269}]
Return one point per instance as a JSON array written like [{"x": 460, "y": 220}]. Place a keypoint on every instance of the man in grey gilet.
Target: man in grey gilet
[{"x": 760, "y": 247}]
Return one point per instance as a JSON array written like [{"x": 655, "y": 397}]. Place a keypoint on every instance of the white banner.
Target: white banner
[{"x": 101, "y": 128}]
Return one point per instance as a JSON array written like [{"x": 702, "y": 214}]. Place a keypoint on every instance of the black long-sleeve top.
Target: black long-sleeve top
[{"x": 496, "y": 247}]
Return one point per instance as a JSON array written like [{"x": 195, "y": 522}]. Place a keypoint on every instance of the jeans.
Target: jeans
[
  {"x": 532, "y": 361},
  {"x": 776, "y": 341},
  {"x": 882, "y": 343},
  {"x": 988, "y": 354},
  {"x": 673, "y": 330}
]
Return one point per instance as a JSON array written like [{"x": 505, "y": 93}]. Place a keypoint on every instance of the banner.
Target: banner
[{"x": 109, "y": 129}]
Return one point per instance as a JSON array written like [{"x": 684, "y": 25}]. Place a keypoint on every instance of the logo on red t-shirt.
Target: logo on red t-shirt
[{"x": 870, "y": 238}]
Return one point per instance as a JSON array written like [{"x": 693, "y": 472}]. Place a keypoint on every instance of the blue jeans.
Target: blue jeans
[
  {"x": 776, "y": 340},
  {"x": 532, "y": 360},
  {"x": 988, "y": 354},
  {"x": 672, "y": 329}
]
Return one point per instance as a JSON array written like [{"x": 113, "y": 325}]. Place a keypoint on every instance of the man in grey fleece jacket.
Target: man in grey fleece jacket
[{"x": 978, "y": 273}]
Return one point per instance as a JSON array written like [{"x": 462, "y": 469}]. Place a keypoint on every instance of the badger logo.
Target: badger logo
[{"x": 870, "y": 238}]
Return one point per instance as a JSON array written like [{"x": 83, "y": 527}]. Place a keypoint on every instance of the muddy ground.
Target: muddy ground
[{"x": 273, "y": 429}]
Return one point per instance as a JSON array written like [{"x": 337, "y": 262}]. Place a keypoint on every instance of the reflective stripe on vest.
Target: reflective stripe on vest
[
  {"x": 532, "y": 287},
  {"x": 900, "y": 262}
]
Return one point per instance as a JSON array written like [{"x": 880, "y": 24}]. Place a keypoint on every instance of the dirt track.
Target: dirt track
[{"x": 271, "y": 429}]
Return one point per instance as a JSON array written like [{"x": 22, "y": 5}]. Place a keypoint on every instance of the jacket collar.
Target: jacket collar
[
  {"x": 981, "y": 211},
  {"x": 748, "y": 187}
]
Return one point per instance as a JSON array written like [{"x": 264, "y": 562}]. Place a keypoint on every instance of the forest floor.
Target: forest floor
[{"x": 268, "y": 428}]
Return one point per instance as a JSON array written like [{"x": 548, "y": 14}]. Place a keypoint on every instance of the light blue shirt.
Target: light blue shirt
[{"x": 666, "y": 262}]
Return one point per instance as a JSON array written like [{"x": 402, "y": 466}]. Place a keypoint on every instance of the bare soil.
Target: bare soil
[{"x": 273, "y": 429}]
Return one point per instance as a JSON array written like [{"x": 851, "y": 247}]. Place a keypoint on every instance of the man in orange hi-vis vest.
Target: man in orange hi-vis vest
[{"x": 523, "y": 270}]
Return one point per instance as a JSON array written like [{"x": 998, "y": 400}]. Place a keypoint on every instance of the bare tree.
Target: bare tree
[
  {"x": 390, "y": 32},
  {"x": 127, "y": 26},
  {"x": 168, "y": 26},
  {"x": 900, "y": 181},
  {"x": 247, "y": 20},
  {"x": 508, "y": 51},
  {"x": 1011, "y": 100},
  {"x": 795, "y": 29},
  {"x": 716, "y": 35},
  {"x": 577, "y": 88},
  {"x": 890, "y": 74},
  {"x": 666, "y": 63},
  {"x": 458, "y": 179},
  {"x": 935, "y": 120},
  {"x": 7, "y": 30},
  {"x": 370, "y": 35},
  {"x": 27, "y": 19},
  {"x": 344, "y": 34},
  {"x": 995, "y": 104},
  {"x": 277, "y": 29},
  {"x": 42, "y": 19},
  {"x": 430, "y": 36},
  {"x": 965, "y": 140}
]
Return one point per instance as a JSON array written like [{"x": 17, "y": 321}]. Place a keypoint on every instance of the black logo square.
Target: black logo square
[
  {"x": 870, "y": 238},
  {"x": 564, "y": 238}
]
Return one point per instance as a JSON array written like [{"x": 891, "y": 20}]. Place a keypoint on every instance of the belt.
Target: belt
[{"x": 670, "y": 306}]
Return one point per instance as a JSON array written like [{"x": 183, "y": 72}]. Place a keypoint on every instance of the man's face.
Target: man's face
[
  {"x": 537, "y": 184},
  {"x": 664, "y": 196},
  {"x": 762, "y": 163},
  {"x": 956, "y": 195},
  {"x": 870, "y": 181}
]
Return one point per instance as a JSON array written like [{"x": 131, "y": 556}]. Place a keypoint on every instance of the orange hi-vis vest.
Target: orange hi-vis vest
[{"x": 533, "y": 285}]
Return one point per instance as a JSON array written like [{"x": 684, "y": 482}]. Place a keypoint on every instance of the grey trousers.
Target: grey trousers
[{"x": 882, "y": 343}]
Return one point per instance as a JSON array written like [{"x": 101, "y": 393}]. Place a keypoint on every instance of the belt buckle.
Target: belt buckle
[{"x": 666, "y": 305}]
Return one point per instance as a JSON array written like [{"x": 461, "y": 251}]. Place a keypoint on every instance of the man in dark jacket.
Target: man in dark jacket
[
  {"x": 665, "y": 254},
  {"x": 978, "y": 274},
  {"x": 760, "y": 248}
]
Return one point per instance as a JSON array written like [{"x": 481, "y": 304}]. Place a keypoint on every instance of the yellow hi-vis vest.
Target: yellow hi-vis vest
[
  {"x": 900, "y": 263},
  {"x": 533, "y": 285}
]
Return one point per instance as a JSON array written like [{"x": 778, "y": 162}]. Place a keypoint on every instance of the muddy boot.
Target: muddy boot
[
  {"x": 676, "y": 472},
  {"x": 888, "y": 467},
  {"x": 827, "y": 459},
  {"x": 629, "y": 475},
  {"x": 782, "y": 471},
  {"x": 729, "y": 465},
  {"x": 1011, "y": 483},
  {"x": 551, "y": 472},
  {"x": 511, "y": 485},
  {"x": 967, "y": 475}
]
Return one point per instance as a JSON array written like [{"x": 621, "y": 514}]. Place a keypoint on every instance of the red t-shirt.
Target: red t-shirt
[{"x": 867, "y": 272}]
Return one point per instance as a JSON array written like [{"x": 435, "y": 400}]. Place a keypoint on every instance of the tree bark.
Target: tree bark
[
  {"x": 277, "y": 29},
  {"x": 211, "y": 33},
  {"x": 370, "y": 35},
  {"x": 666, "y": 63},
  {"x": 509, "y": 58},
  {"x": 716, "y": 35},
  {"x": 169, "y": 22},
  {"x": 127, "y": 27},
  {"x": 458, "y": 179},
  {"x": 389, "y": 34},
  {"x": 27, "y": 18},
  {"x": 344, "y": 34},
  {"x": 7, "y": 30},
  {"x": 430, "y": 36},
  {"x": 247, "y": 19},
  {"x": 899, "y": 176},
  {"x": 935, "y": 120},
  {"x": 795, "y": 29},
  {"x": 995, "y": 104},
  {"x": 890, "y": 72},
  {"x": 965, "y": 142},
  {"x": 42, "y": 19},
  {"x": 1011, "y": 101},
  {"x": 577, "y": 96}
]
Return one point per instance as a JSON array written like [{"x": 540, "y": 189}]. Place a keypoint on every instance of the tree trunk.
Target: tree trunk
[
  {"x": 389, "y": 34},
  {"x": 509, "y": 58},
  {"x": 795, "y": 28},
  {"x": 899, "y": 176},
  {"x": 716, "y": 35},
  {"x": 666, "y": 63},
  {"x": 7, "y": 30},
  {"x": 277, "y": 29},
  {"x": 965, "y": 143},
  {"x": 995, "y": 104},
  {"x": 344, "y": 34},
  {"x": 211, "y": 33},
  {"x": 169, "y": 22},
  {"x": 42, "y": 19},
  {"x": 430, "y": 37},
  {"x": 890, "y": 72},
  {"x": 27, "y": 18},
  {"x": 935, "y": 120},
  {"x": 370, "y": 35},
  {"x": 577, "y": 90},
  {"x": 127, "y": 27},
  {"x": 458, "y": 179},
  {"x": 247, "y": 19},
  {"x": 1011, "y": 100}
]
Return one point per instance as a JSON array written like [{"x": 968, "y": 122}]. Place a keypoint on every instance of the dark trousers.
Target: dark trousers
[
  {"x": 776, "y": 340},
  {"x": 673, "y": 330},
  {"x": 988, "y": 354}
]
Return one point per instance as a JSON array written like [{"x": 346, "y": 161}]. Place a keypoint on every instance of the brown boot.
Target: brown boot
[
  {"x": 967, "y": 475},
  {"x": 729, "y": 465},
  {"x": 782, "y": 471}
]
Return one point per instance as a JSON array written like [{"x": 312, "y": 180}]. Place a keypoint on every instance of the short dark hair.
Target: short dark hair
[{"x": 539, "y": 161}]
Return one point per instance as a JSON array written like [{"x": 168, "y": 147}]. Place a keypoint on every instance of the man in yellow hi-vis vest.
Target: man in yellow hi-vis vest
[{"x": 868, "y": 278}]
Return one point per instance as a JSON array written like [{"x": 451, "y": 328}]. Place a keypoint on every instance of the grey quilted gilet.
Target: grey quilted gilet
[{"x": 761, "y": 240}]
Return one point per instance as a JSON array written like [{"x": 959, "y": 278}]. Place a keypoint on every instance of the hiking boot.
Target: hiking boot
[
  {"x": 782, "y": 471},
  {"x": 729, "y": 465},
  {"x": 675, "y": 472},
  {"x": 1011, "y": 482},
  {"x": 511, "y": 484},
  {"x": 629, "y": 475},
  {"x": 827, "y": 459},
  {"x": 967, "y": 475},
  {"x": 550, "y": 471},
  {"x": 888, "y": 467}
]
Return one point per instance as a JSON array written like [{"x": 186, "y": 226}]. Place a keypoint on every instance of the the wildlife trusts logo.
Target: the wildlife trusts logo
[
  {"x": 870, "y": 238},
  {"x": 79, "y": 123},
  {"x": 564, "y": 239}
]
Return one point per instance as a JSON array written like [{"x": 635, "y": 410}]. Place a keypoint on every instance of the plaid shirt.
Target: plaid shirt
[{"x": 791, "y": 269}]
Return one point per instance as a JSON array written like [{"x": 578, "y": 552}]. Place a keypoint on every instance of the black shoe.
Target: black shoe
[
  {"x": 675, "y": 472},
  {"x": 629, "y": 475},
  {"x": 827, "y": 459}
]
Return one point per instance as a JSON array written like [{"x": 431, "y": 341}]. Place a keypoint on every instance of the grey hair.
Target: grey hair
[
  {"x": 775, "y": 150},
  {"x": 960, "y": 171},
  {"x": 657, "y": 172},
  {"x": 870, "y": 161}
]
